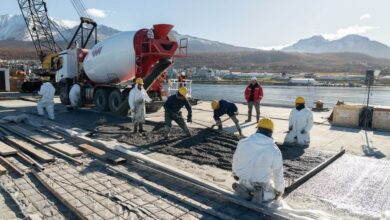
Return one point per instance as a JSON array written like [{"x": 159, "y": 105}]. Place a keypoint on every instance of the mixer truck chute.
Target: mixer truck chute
[{"x": 105, "y": 72}]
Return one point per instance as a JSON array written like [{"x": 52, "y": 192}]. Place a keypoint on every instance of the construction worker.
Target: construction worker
[
  {"x": 182, "y": 79},
  {"x": 222, "y": 107},
  {"x": 253, "y": 96},
  {"x": 137, "y": 99},
  {"x": 47, "y": 92},
  {"x": 172, "y": 111},
  {"x": 300, "y": 123},
  {"x": 74, "y": 96},
  {"x": 258, "y": 166}
]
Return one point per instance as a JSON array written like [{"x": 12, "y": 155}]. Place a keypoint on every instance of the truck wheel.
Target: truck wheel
[
  {"x": 114, "y": 100},
  {"x": 101, "y": 100},
  {"x": 64, "y": 95}
]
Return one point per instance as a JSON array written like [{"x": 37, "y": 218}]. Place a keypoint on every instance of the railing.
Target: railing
[{"x": 174, "y": 85}]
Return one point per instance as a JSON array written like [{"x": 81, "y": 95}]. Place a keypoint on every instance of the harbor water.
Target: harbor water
[{"x": 285, "y": 95}]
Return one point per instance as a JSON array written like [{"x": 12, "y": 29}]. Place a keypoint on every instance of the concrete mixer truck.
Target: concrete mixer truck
[{"x": 106, "y": 71}]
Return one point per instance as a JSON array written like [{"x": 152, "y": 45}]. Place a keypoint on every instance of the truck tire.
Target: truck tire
[
  {"x": 64, "y": 94},
  {"x": 114, "y": 100},
  {"x": 101, "y": 100}
]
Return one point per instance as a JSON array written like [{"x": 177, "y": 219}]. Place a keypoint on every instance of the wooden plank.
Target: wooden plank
[
  {"x": 31, "y": 149},
  {"x": 2, "y": 170},
  {"x": 66, "y": 149},
  {"x": 6, "y": 163},
  {"x": 6, "y": 150},
  {"x": 51, "y": 142},
  {"x": 112, "y": 158}
]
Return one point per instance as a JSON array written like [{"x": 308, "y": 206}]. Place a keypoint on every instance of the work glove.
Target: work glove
[
  {"x": 236, "y": 177},
  {"x": 189, "y": 120},
  {"x": 303, "y": 131}
]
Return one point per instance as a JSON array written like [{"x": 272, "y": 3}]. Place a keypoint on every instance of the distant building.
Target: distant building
[{"x": 302, "y": 81}]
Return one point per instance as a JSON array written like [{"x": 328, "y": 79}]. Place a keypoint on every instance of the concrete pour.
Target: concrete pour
[
  {"x": 351, "y": 186},
  {"x": 213, "y": 148}
]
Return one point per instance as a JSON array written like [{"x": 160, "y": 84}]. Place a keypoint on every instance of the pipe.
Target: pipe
[{"x": 312, "y": 173}]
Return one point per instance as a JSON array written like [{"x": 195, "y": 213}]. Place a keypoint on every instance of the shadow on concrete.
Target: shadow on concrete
[
  {"x": 345, "y": 129},
  {"x": 369, "y": 150}
]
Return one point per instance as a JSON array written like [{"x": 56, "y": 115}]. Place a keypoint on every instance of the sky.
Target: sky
[{"x": 261, "y": 24}]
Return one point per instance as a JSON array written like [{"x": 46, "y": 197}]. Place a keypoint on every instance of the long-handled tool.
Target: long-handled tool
[{"x": 212, "y": 127}]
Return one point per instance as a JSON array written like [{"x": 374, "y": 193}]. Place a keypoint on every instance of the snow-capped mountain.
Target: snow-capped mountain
[
  {"x": 349, "y": 43},
  {"x": 13, "y": 27}
]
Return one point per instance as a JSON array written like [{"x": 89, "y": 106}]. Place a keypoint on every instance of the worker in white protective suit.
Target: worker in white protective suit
[
  {"x": 47, "y": 92},
  {"x": 300, "y": 124},
  {"x": 74, "y": 96},
  {"x": 258, "y": 166},
  {"x": 137, "y": 99}
]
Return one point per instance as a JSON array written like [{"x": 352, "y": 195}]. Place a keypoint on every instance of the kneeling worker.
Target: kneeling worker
[
  {"x": 222, "y": 107},
  {"x": 47, "y": 92},
  {"x": 172, "y": 111},
  {"x": 258, "y": 166},
  {"x": 300, "y": 123},
  {"x": 137, "y": 99}
]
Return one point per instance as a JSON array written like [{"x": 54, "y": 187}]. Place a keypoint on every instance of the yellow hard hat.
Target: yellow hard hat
[
  {"x": 214, "y": 104},
  {"x": 183, "y": 91},
  {"x": 139, "y": 81},
  {"x": 300, "y": 100},
  {"x": 266, "y": 123}
]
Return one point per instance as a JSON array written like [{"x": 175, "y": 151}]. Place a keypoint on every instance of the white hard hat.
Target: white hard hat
[
  {"x": 254, "y": 78},
  {"x": 183, "y": 73}
]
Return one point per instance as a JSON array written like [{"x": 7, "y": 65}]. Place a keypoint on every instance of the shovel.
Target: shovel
[{"x": 212, "y": 127}]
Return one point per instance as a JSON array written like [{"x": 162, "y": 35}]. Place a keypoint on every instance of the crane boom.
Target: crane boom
[{"x": 37, "y": 21}]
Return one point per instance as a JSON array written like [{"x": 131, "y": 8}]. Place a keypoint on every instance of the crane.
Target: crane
[{"x": 40, "y": 26}]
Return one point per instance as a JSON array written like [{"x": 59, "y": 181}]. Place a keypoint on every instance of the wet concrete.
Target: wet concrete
[
  {"x": 352, "y": 186},
  {"x": 213, "y": 148}
]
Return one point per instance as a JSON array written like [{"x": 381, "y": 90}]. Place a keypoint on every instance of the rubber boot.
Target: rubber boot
[
  {"x": 135, "y": 128},
  {"x": 188, "y": 133},
  {"x": 241, "y": 191},
  {"x": 166, "y": 133},
  {"x": 141, "y": 128}
]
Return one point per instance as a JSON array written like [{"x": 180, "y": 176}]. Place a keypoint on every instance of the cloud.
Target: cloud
[
  {"x": 98, "y": 13},
  {"x": 355, "y": 29},
  {"x": 68, "y": 23},
  {"x": 365, "y": 16}
]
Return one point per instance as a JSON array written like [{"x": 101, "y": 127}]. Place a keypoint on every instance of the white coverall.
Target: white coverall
[
  {"x": 74, "y": 95},
  {"x": 300, "y": 122},
  {"x": 257, "y": 160},
  {"x": 137, "y": 99},
  {"x": 47, "y": 92}
]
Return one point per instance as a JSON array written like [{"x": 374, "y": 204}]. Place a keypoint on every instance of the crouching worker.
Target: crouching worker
[
  {"x": 137, "y": 99},
  {"x": 299, "y": 124},
  {"x": 47, "y": 92},
  {"x": 172, "y": 111},
  {"x": 258, "y": 166},
  {"x": 222, "y": 107}
]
